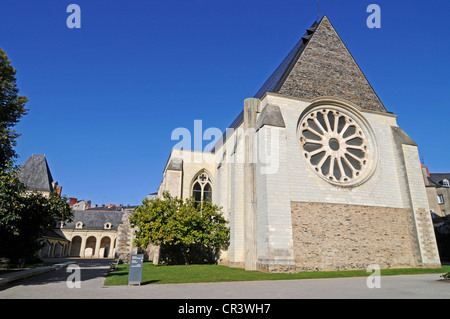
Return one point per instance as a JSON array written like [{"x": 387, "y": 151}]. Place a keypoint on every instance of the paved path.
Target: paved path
[{"x": 93, "y": 271}]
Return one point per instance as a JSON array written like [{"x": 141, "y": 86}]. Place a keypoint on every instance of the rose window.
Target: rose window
[{"x": 335, "y": 145}]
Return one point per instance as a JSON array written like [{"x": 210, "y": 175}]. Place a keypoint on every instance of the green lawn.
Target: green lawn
[{"x": 163, "y": 274}]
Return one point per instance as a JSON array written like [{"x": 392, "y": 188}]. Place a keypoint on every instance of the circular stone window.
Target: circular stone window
[{"x": 336, "y": 145}]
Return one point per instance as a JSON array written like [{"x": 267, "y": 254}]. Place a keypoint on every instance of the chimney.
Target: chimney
[
  {"x": 88, "y": 204},
  {"x": 72, "y": 201},
  {"x": 59, "y": 190}
]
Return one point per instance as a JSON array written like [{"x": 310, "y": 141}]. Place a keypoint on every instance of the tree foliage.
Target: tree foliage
[
  {"x": 172, "y": 221},
  {"x": 12, "y": 109},
  {"x": 25, "y": 217}
]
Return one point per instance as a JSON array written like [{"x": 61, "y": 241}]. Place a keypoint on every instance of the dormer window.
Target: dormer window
[
  {"x": 79, "y": 225},
  {"x": 445, "y": 183},
  {"x": 108, "y": 225}
]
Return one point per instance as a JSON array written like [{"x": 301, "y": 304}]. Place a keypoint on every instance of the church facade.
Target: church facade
[{"x": 315, "y": 173}]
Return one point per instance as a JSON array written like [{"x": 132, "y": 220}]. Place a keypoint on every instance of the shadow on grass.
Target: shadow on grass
[{"x": 148, "y": 282}]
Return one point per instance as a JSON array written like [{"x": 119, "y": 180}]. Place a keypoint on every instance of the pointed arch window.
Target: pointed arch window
[{"x": 201, "y": 188}]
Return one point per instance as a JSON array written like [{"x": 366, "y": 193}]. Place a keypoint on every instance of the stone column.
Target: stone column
[
  {"x": 250, "y": 111},
  {"x": 83, "y": 246},
  {"x": 274, "y": 224},
  {"x": 96, "y": 253},
  {"x": 111, "y": 246},
  {"x": 174, "y": 177},
  {"x": 69, "y": 247},
  {"x": 416, "y": 198}
]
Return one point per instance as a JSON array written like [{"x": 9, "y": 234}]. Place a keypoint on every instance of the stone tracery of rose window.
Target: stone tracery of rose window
[{"x": 335, "y": 145}]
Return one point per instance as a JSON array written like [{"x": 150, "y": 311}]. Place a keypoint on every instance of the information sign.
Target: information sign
[{"x": 135, "y": 270}]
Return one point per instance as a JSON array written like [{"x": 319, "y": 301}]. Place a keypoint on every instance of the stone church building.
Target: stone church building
[{"x": 315, "y": 173}]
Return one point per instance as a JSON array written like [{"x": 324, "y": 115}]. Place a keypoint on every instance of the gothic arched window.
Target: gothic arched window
[{"x": 201, "y": 189}]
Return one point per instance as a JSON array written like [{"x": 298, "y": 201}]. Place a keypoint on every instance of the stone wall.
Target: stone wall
[
  {"x": 125, "y": 237},
  {"x": 343, "y": 237}
]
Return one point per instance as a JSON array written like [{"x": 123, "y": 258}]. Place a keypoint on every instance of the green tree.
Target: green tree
[
  {"x": 186, "y": 232},
  {"x": 12, "y": 109},
  {"x": 25, "y": 217}
]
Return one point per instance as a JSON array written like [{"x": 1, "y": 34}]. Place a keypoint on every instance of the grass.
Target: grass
[{"x": 164, "y": 274}]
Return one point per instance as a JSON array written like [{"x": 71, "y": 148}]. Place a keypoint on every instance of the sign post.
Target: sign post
[{"x": 135, "y": 270}]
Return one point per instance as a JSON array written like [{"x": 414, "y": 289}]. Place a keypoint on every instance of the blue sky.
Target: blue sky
[{"x": 104, "y": 99}]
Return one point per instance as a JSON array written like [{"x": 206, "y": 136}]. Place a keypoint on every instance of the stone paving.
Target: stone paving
[{"x": 52, "y": 285}]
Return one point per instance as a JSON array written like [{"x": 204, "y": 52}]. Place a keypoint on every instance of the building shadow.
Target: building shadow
[{"x": 90, "y": 269}]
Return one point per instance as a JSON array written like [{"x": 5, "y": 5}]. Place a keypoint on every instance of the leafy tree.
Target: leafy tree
[
  {"x": 25, "y": 217},
  {"x": 12, "y": 109},
  {"x": 186, "y": 232}
]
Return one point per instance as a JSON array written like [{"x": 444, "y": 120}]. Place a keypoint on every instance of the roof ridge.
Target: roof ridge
[
  {"x": 320, "y": 64},
  {"x": 276, "y": 80}
]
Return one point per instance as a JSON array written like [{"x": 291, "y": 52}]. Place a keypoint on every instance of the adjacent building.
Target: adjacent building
[
  {"x": 94, "y": 232},
  {"x": 36, "y": 176},
  {"x": 438, "y": 192}
]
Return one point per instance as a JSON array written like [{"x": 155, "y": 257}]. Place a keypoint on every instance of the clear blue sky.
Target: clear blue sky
[{"x": 105, "y": 98}]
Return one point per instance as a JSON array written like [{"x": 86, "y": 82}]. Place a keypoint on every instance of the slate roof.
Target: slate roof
[
  {"x": 276, "y": 80},
  {"x": 35, "y": 174},
  {"x": 437, "y": 178},
  {"x": 51, "y": 234},
  {"x": 321, "y": 65},
  {"x": 95, "y": 220},
  {"x": 318, "y": 65}
]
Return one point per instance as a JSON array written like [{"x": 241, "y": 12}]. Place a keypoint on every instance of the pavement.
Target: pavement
[{"x": 53, "y": 285}]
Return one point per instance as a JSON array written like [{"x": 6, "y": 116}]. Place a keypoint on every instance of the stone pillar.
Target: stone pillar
[
  {"x": 83, "y": 246},
  {"x": 111, "y": 246},
  {"x": 419, "y": 204},
  {"x": 124, "y": 238},
  {"x": 69, "y": 247},
  {"x": 274, "y": 223},
  {"x": 96, "y": 253},
  {"x": 416, "y": 198},
  {"x": 174, "y": 177},
  {"x": 250, "y": 111}
]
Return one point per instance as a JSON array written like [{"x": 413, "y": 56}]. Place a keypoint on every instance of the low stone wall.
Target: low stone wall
[{"x": 345, "y": 237}]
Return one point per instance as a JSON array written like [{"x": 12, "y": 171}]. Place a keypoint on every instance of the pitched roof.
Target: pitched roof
[
  {"x": 318, "y": 65},
  {"x": 437, "y": 178},
  {"x": 95, "y": 220},
  {"x": 321, "y": 65},
  {"x": 52, "y": 234},
  {"x": 35, "y": 174},
  {"x": 277, "y": 79}
]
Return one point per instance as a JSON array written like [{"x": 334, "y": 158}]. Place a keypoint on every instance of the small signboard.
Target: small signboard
[{"x": 135, "y": 270}]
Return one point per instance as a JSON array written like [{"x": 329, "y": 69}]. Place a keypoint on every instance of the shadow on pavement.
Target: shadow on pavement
[{"x": 89, "y": 269}]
